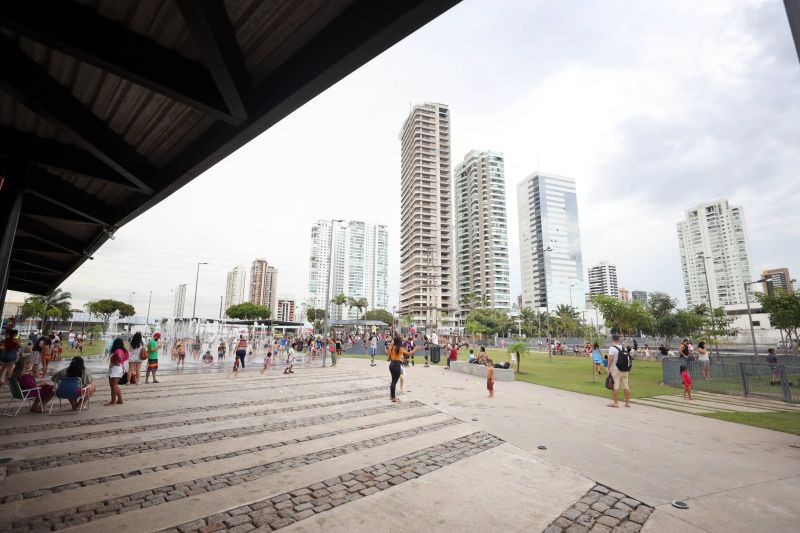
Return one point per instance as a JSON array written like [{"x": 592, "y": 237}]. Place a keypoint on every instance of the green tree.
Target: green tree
[
  {"x": 379, "y": 314},
  {"x": 106, "y": 308},
  {"x": 716, "y": 325},
  {"x": 316, "y": 317},
  {"x": 359, "y": 303},
  {"x": 54, "y": 304},
  {"x": 566, "y": 319},
  {"x": 487, "y": 321},
  {"x": 248, "y": 311},
  {"x": 783, "y": 308},
  {"x": 527, "y": 317},
  {"x": 625, "y": 317},
  {"x": 339, "y": 299},
  {"x": 519, "y": 348}
]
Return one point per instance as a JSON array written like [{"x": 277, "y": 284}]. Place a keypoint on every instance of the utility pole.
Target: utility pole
[{"x": 147, "y": 320}]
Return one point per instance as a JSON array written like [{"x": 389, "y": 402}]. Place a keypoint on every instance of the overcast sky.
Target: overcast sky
[{"x": 652, "y": 107}]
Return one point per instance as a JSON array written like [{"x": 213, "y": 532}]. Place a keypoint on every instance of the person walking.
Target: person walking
[
  {"x": 395, "y": 353},
  {"x": 241, "y": 350},
  {"x": 152, "y": 358},
  {"x": 373, "y": 349},
  {"x": 116, "y": 369},
  {"x": 619, "y": 366},
  {"x": 687, "y": 383},
  {"x": 597, "y": 357},
  {"x": 138, "y": 353}
]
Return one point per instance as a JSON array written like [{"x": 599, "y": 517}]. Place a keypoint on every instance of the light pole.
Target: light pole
[
  {"x": 196, "y": 280},
  {"x": 547, "y": 307},
  {"x": 328, "y": 289},
  {"x": 147, "y": 320},
  {"x": 702, "y": 256},
  {"x": 749, "y": 313}
]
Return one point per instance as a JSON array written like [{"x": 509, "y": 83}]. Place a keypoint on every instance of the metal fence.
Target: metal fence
[{"x": 739, "y": 376}]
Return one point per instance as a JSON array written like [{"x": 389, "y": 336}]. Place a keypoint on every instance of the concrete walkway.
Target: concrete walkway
[{"x": 323, "y": 449}]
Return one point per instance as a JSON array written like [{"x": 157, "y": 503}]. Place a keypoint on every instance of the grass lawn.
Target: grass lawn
[
  {"x": 788, "y": 422},
  {"x": 575, "y": 374}
]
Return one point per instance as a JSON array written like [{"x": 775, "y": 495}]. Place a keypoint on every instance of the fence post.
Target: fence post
[
  {"x": 745, "y": 390},
  {"x": 787, "y": 390}
]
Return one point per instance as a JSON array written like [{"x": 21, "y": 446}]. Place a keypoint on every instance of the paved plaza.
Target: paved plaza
[{"x": 324, "y": 450}]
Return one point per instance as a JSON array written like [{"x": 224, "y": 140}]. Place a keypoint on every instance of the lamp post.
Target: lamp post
[
  {"x": 196, "y": 280},
  {"x": 328, "y": 289},
  {"x": 547, "y": 307},
  {"x": 749, "y": 313},
  {"x": 702, "y": 256},
  {"x": 147, "y": 320}
]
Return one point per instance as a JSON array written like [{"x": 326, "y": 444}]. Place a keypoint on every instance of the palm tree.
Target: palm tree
[
  {"x": 339, "y": 300},
  {"x": 360, "y": 304},
  {"x": 519, "y": 348},
  {"x": 527, "y": 315},
  {"x": 54, "y": 304}
]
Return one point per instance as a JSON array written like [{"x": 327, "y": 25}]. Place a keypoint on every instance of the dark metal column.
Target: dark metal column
[{"x": 11, "y": 190}]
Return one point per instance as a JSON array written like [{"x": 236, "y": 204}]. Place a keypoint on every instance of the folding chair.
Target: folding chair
[
  {"x": 69, "y": 388},
  {"x": 21, "y": 395}
]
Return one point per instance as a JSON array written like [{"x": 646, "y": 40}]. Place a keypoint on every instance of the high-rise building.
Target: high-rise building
[
  {"x": 350, "y": 258},
  {"x": 285, "y": 311},
  {"x": 714, "y": 245},
  {"x": 639, "y": 296},
  {"x": 482, "y": 232},
  {"x": 264, "y": 285},
  {"x": 777, "y": 278},
  {"x": 235, "y": 286},
  {"x": 550, "y": 243},
  {"x": 624, "y": 294},
  {"x": 426, "y": 240},
  {"x": 603, "y": 279},
  {"x": 180, "y": 301}
]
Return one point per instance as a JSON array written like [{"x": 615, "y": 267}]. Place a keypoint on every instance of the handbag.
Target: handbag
[
  {"x": 610, "y": 382},
  {"x": 142, "y": 353}
]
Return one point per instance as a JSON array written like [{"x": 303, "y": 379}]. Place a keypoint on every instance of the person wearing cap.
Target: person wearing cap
[{"x": 152, "y": 358}]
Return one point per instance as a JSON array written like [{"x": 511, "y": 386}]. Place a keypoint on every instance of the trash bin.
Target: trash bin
[{"x": 436, "y": 354}]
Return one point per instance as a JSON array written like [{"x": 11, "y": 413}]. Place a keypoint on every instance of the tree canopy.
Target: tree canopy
[
  {"x": 625, "y": 317},
  {"x": 106, "y": 308},
  {"x": 55, "y": 304},
  {"x": 316, "y": 317},
  {"x": 379, "y": 314},
  {"x": 487, "y": 322},
  {"x": 783, "y": 308},
  {"x": 248, "y": 311},
  {"x": 359, "y": 303}
]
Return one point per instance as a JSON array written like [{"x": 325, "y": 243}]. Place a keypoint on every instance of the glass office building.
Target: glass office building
[{"x": 550, "y": 243}]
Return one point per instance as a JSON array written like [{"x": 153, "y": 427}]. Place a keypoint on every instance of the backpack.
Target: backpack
[{"x": 624, "y": 359}]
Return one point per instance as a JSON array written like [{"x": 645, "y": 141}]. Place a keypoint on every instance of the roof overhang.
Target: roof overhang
[{"x": 108, "y": 108}]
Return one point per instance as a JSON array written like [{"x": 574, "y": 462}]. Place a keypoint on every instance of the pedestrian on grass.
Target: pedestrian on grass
[
  {"x": 687, "y": 383},
  {"x": 619, "y": 366},
  {"x": 702, "y": 357},
  {"x": 597, "y": 357},
  {"x": 152, "y": 358}
]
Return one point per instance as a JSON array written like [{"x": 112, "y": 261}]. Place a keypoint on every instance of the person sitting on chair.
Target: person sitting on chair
[{"x": 76, "y": 369}]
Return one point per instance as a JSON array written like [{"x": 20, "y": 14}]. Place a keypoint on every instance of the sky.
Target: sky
[{"x": 652, "y": 107}]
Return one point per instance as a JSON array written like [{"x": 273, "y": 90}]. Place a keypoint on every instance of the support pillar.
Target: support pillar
[{"x": 11, "y": 190}]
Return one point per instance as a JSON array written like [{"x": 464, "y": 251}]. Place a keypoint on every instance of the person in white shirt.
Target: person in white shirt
[{"x": 616, "y": 353}]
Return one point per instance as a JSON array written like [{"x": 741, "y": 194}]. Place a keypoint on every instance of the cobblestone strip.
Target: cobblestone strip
[
  {"x": 113, "y": 452},
  {"x": 602, "y": 510},
  {"x": 66, "y": 424},
  {"x": 207, "y": 459},
  {"x": 167, "y": 493},
  {"x": 284, "y": 509},
  {"x": 166, "y": 425}
]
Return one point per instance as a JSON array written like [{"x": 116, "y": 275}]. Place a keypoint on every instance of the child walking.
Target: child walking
[
  {"x": 235, "y": 371},
  {"x": 267, "y": 358},
  {"x": 687, "y": 384},
  {"x": 490, "y": 377}
]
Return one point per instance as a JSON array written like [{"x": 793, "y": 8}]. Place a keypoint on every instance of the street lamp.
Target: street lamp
[
  {"x": 196, "y": 280},
  {"x": 749, "y": 313},
  {"x": 702, "y": 256},
  {"x": 330, "y": 281},
  {"x": 547, "y": 307}
]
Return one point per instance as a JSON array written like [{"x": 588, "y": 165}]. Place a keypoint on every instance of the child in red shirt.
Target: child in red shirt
[{"x": 687, "y": 384}]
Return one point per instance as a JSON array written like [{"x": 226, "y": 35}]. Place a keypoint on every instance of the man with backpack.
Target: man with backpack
[{"x": 620, "y": 363}]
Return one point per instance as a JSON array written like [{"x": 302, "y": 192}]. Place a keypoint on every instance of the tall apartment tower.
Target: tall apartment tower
[
  {"x": 639, "y": 296},
  {"x": 603, "y": 279},
  {"x": 235, "y": 286},
  {"x": 285, "y": 310},
  {"x": 426, "y": 239},
  {"x": 713, "y": 241},
  {"x": 350, "y": 258},
  {"x": 550, "y": 243},
  {"x": 778, "y": 278},
  {"x": 264, "y": 285},
  {"x": 180, "y": 301},
  {"x": 483, "y": 277}
]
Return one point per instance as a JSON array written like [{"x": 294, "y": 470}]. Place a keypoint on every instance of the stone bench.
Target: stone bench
[{"x": 500, "y": 374}]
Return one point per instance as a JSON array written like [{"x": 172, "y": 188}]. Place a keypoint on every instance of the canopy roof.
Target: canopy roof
[{"x": 109, "y": 106}]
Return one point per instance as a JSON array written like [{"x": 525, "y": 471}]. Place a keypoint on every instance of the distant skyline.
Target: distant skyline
[{"x": 650, "y": 115}]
